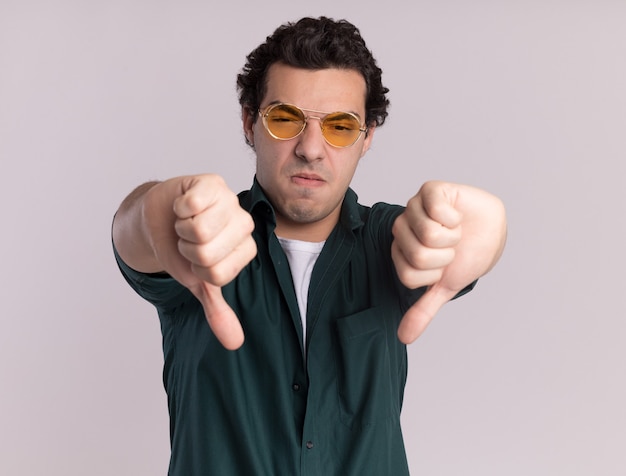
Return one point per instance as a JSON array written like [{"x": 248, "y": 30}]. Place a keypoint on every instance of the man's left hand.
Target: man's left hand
[{"x": 448, "y": 236}]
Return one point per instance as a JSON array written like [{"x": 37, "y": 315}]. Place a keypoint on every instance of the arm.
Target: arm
[
  {"x": 130, "y": 235},
  {"x": 448, "y": 236},
  {"x": 193, "y": 229}
]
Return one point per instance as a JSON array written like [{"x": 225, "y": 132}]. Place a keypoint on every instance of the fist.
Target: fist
[
  {"x": 448, "y": 236},
  {"x": 204, "y": 243},
  {"x": 214, "y": 233}
]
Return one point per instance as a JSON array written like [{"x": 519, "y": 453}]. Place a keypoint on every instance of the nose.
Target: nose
[{"x": 311, "y": 144}]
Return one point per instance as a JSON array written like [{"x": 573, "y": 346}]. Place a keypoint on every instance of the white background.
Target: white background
[{"x": 524, "y": 376}]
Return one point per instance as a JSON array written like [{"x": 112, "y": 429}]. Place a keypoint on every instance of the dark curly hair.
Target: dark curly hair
[{"x": 314, "y": 43}]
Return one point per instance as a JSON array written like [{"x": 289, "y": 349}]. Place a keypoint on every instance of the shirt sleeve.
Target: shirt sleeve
[{"x": 160, "y": 289}]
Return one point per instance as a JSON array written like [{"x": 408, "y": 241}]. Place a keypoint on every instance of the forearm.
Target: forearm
[{"x": 131, "y": 235}]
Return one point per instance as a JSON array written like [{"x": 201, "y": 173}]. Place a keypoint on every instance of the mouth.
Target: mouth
[{"x": 308, "y": 180}]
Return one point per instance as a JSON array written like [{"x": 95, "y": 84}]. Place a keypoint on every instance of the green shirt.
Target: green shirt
[{"x": 266, "y": 408}]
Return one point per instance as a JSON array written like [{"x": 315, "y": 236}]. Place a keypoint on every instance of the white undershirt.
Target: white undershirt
[{"x": 301, "y": 256}]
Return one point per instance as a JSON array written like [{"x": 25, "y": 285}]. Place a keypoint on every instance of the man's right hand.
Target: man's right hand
[{"x": 199, "y": 234}]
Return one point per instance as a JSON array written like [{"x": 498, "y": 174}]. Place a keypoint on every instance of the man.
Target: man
[{"x": 310, "y": 297}]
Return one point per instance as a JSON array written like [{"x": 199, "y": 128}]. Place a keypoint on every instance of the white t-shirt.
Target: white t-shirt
[{"x": 301, "y": 256}]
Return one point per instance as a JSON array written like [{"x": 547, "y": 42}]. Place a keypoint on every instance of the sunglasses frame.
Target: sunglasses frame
[{"x": 266, "y": 110}]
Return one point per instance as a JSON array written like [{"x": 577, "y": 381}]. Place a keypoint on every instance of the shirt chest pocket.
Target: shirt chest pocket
[{"x": 365, "y": 380}]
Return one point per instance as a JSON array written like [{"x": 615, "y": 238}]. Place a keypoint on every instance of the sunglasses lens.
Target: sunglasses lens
[
  {"x": 284, "y": 121},
  {"x": 341, "y": 129}
]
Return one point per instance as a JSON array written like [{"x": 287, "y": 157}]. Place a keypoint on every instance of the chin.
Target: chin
[{"x": 303, "y": 216}]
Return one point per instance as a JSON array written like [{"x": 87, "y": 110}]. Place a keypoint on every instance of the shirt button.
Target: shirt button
[
  {"x": 296, "y": 387},
  {"x": 309, "y": 445}
]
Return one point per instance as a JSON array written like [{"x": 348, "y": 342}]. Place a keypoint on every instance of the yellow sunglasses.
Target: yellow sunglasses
[{"x": 286, "y": 121}]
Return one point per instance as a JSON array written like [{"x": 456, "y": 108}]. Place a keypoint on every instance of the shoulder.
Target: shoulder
[{"x": 379, "y": 215}]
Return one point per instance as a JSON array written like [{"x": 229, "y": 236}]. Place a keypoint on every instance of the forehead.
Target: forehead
[{"x": 330, "y": 89}]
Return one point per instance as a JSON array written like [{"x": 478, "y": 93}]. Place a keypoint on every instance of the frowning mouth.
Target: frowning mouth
[{"x": 309, "y": 180}]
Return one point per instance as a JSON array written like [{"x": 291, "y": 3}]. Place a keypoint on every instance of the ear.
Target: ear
[
  {"x": 368, "y": 139},
  {"x": 248, "y": 118}
]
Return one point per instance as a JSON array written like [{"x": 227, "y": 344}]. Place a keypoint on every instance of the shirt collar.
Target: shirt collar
[{"x": 351, "y": 211}]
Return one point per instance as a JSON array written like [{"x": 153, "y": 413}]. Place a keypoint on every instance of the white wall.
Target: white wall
[{"x": 526, "y": 375}]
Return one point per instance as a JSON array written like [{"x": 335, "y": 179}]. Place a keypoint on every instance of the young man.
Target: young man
[{"x": 310, "y": 297}]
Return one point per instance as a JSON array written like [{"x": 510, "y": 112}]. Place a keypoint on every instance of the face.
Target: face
[{"x": 306, "y": 178}]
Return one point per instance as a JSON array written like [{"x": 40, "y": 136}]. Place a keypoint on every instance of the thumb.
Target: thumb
[
  {"x": 419, "y": 315},
  {"x": 221, "y": 318}
]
